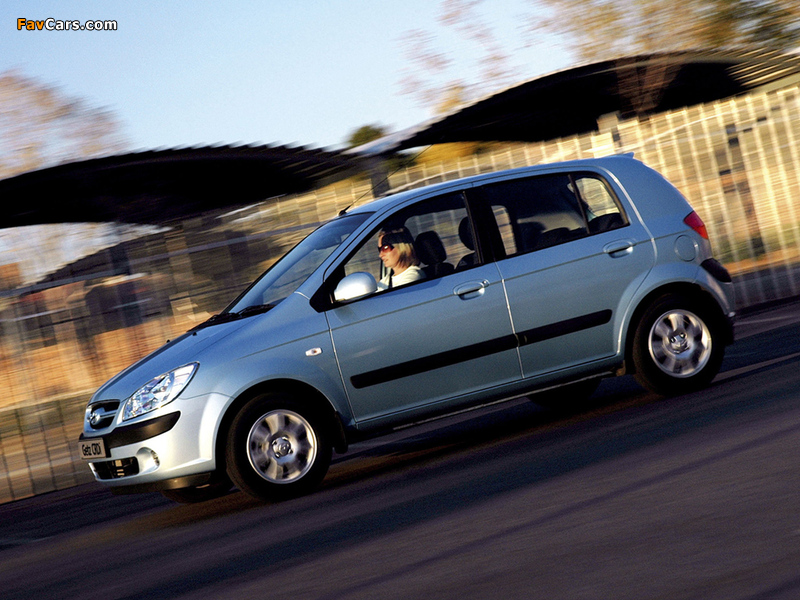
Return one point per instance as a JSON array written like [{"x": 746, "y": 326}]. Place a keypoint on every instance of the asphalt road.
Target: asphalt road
[{"x": 640, "y": 498}]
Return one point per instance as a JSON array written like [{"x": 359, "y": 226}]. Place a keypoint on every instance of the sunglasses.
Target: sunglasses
[{"x": 385, "y": 248}]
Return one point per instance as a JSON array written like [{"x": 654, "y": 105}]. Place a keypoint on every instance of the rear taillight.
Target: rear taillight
[{"x": 694, "y": 221}]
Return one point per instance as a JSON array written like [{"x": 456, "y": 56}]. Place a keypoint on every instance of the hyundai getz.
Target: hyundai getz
[{"x": 420, "y": 303}]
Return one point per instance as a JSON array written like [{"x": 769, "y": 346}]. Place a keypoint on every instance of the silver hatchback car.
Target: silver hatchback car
[{"x": 421, "y": 303}]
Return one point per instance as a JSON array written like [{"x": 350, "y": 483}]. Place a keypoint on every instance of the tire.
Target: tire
[
  {"x": 568, "y": 398},
  {"x": 678, "y": 346},
  {"x": 195, "y": 494},
  {"x": 277, "y": 449}
]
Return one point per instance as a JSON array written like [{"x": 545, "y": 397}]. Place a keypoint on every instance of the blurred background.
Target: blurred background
[{"x": 93, "y": 277}]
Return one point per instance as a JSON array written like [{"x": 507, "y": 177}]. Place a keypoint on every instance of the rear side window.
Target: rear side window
[{"x": 540, "y": 212}]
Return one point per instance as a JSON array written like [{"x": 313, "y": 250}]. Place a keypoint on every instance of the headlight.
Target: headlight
[{"x": 158, "y": 391}]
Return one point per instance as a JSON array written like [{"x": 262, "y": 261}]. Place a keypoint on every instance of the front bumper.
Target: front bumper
[
  {"x": 164, "y": 451},
  {"x": 128, "y": 435}
]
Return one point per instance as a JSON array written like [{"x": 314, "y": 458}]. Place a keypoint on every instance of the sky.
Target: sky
[
  {"x": 180, "y": 73},
  {"x": 298, "y": 72}
]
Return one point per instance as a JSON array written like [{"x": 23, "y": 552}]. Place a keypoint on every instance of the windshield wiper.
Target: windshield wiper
[
  {"x": 216, "y": 319},
  {"x": 256, "y": 309},
  {"x": 227, "y": 317}
]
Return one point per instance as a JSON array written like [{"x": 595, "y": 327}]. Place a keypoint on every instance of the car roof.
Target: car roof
[{"x": 399, "y": 197}]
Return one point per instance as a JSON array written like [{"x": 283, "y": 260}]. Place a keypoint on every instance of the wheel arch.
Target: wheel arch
[
  {"x": 691, "y": 291},
  {"x": 309, "y": 395}
]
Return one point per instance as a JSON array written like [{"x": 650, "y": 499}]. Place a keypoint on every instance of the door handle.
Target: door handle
[
  {"x": 618, "y": 248},
  {"x": 470, "y": 289}
]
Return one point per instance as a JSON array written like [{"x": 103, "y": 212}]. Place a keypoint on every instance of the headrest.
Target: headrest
[{"x": 429, "y": 247}]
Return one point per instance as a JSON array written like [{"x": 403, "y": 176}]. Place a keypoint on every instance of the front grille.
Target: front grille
[
  {"x": 101, "y": 414},
  {"x": 114, "y": 469}
]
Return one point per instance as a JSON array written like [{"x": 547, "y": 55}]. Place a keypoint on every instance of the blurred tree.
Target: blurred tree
[
  {"x": 593, "y": 30},
  {"x": 365, "y": 134},
  {"x": 432, "y": 76},
  {"x": 379, "y": 170},
  {"x": 42, "y": 127},
  {"x": 602, "y": 29}
]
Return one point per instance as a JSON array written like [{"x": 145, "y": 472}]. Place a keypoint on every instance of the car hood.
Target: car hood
[{"x": 187, "y": 348}]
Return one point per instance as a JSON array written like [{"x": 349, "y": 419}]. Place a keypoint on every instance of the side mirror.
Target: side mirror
[{"x": 355, "y": 286}]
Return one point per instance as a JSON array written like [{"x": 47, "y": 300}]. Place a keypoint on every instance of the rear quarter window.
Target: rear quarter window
[
  {"x": 603, "y": 211},
  {"x": 539, "y": 212}
]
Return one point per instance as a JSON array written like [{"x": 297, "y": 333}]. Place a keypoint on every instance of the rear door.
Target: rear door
[{"x": 571, "y": 257}]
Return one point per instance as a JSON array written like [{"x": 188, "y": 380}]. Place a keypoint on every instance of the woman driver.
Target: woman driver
[{"x": 396, "y": 250}]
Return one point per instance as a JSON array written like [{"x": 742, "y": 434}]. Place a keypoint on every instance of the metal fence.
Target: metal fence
[{"x": 738, "y": 162}]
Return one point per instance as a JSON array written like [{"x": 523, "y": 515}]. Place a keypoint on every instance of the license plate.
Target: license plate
[{"x": 92, "y": 448}]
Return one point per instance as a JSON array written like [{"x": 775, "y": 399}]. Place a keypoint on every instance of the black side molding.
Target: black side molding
[
  {"x": 434, "y": 361},
  {"x": 458, "y": 355},
  {"x": 554, "y": 330}
]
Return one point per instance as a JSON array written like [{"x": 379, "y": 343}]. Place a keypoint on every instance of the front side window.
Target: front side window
[{"x": 424, "y": 241}]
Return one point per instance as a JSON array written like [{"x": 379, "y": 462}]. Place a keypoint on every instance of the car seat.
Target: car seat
[{"x": 431, "y": 253}]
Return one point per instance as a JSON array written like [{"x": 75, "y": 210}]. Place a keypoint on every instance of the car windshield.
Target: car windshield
[{"x": 286, "y": 275}]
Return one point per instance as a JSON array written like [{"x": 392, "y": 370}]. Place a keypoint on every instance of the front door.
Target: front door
[{"x": 431, "y": 342}]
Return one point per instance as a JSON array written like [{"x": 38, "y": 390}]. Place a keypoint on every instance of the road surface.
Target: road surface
[{"x": 640, "y": 497}]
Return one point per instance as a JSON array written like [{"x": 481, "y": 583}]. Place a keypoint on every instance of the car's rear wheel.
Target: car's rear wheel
[
  {"x": 277, "y": 449},
  {"x": 678, "y": 346}
]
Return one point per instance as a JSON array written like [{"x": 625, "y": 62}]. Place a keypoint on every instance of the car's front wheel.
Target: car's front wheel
[
  {"x": 678, "y": 346},
  {"x": 277, "y": 449}
]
